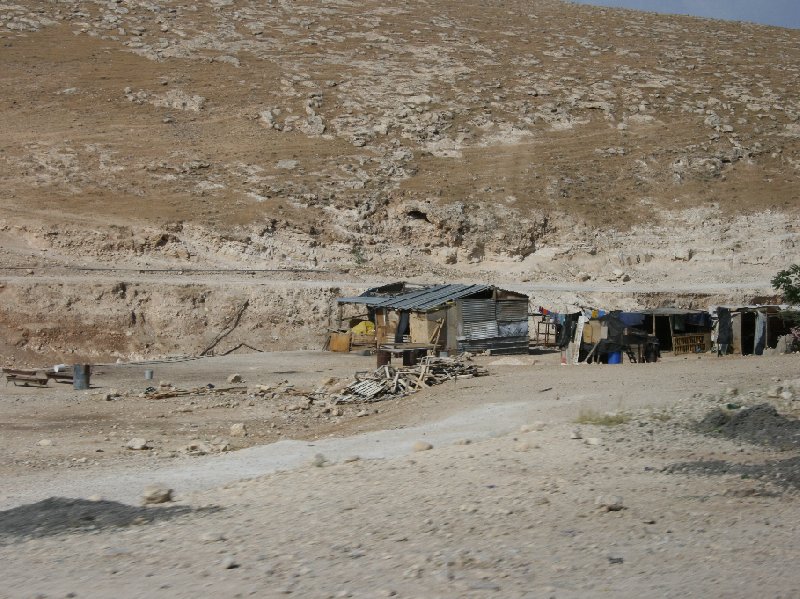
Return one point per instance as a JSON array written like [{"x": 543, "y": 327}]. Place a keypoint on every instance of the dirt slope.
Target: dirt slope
[{"x": 531, "y": 141}]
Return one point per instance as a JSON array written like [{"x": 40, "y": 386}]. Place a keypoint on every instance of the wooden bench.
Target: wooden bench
[
  {"x": 60, "y": 377},
  {"x": 25, "y": 377}
]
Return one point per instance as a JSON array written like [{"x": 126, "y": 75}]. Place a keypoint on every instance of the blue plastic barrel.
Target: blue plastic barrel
[{"x": 615, "y": 357}]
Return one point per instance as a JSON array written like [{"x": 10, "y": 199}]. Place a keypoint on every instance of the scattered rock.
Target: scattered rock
[
  {"x": 319, "y": 460},
  {"x": 538, "y": 425},
  {"x": 156, "y": 493},
  {"x": 44, "y": 443},
  {"x": 220, "y": 444},
  {"x": 137, "y": 443},
  {"x": 288, "y": 165},
  {"x": 235, "y": 378},
  {"x": 609, "y": 503},
  {"x": 238, "y": 430},
  {"x": 683, "y": 255},
  {"x": 196, "y": 448},
  {"x": 229, "y": 563},
  {"x": 421, "y": 446}
]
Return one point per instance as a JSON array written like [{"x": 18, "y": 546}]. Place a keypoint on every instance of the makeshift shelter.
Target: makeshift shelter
[
  {"x": 748, "y": 330},
  {"x": 678, "y": 330},
  {"x": 600, "y": 336},
  {"x": 451, "y": 317}
]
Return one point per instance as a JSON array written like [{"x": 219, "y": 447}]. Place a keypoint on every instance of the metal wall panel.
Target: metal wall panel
[
  {"x": 478, "y": 310},
  {"x": 500, "y": 345},
  {"x": 508, "y": 310},
  {"x": 479, "y": 330}
]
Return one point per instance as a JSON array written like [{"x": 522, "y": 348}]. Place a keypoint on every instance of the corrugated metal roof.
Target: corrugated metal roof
[
  {"x": 427, "y": 298},
  {"x": 367, "y": 300}
]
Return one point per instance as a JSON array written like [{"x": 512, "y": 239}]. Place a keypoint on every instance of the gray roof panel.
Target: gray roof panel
[{"x": 428, "y": 298}]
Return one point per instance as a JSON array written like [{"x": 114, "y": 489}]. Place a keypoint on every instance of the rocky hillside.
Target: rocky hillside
[{"x": 516, "y": 141}]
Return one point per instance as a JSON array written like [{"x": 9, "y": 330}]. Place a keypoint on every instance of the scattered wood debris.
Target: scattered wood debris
[
  {"x": 388, "y": 381},
  {"x": 172, "y": 392}
]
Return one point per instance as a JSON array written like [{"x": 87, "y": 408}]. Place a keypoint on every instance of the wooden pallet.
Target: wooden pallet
[{"x": 689, "y": 344}]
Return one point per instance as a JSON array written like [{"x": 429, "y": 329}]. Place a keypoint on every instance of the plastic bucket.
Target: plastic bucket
[
  {"x": 615, "y": 357},
  {"x": 148, "y": 375}
]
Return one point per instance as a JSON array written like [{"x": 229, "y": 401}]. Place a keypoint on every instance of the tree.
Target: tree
[{"x": 788, "y": 282}]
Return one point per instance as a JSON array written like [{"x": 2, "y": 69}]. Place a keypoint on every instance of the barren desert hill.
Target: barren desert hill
[{"x": 522, "y": 141}]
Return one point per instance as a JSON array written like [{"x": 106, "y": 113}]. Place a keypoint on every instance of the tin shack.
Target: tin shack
[{"x": 450, "y": 317}]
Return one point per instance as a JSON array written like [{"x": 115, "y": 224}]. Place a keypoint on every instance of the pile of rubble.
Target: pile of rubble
[{"x": 387, "y": 381}]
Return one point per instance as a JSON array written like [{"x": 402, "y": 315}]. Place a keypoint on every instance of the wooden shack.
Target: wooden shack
[{"x": 449, "y": 317}]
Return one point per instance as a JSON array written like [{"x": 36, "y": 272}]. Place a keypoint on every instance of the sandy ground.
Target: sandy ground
[{"x": 504, "y": 505}]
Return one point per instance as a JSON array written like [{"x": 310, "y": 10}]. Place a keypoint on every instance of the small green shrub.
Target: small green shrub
[
  {"x": 589, "y": 416},
  {"x": 358, "y": 256}
]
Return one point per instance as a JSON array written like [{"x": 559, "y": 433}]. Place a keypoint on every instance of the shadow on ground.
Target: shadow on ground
[
  {"x": 57, "y": 515},
  {"x": 761, "y": 425},
  {"x": 783, "y": 473}
]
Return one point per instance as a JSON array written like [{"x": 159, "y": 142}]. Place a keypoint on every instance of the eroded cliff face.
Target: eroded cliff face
[{"x": 518, "y": 142}]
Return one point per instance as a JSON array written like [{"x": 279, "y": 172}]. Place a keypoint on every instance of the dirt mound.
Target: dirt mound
[
  {"x": 57, "y": 515},
  {"x": 760, "y": 424},
  {"x": 784, "y": 473}
]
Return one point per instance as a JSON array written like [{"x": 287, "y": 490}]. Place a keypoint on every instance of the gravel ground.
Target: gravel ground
[{"x": 540, "y": 502}]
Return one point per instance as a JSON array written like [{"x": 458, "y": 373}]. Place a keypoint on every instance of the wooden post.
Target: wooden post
[{"x": 671, "y": 333}]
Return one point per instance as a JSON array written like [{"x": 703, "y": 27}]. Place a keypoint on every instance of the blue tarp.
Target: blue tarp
[{"x": 631, "y": 319}]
